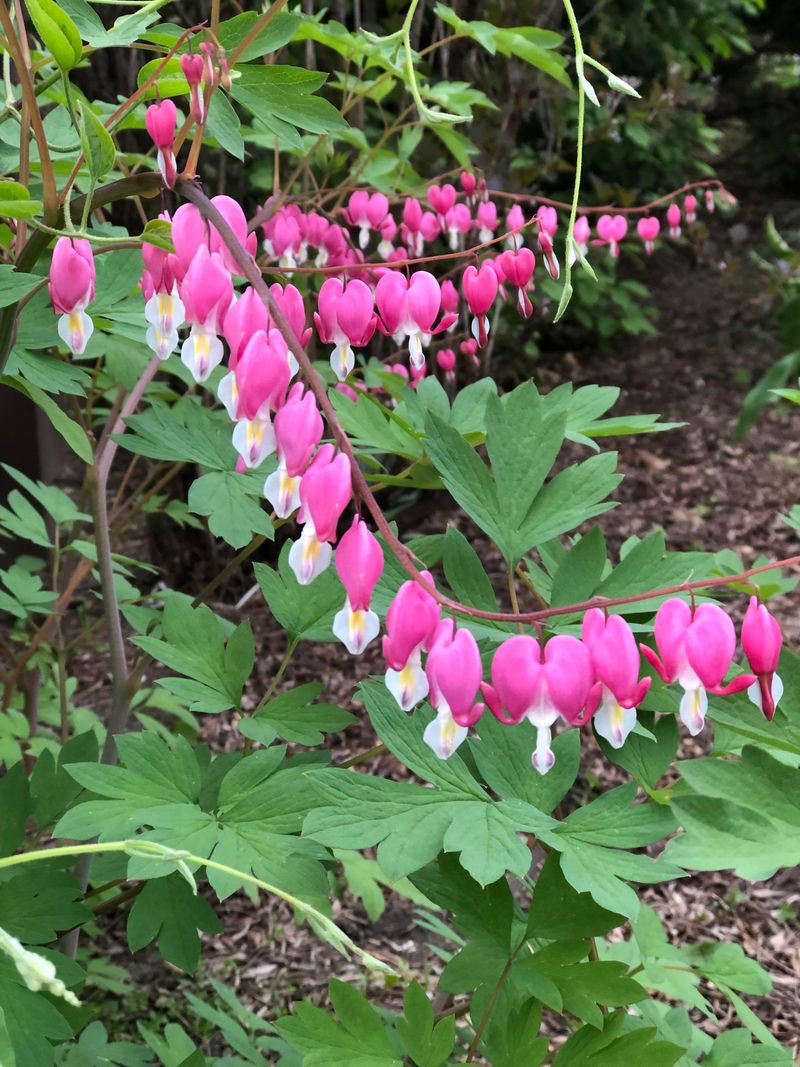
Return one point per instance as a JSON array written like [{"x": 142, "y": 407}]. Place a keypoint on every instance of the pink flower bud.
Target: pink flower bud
[
  {"x": 486, "y": 219},
  {"x": 615, "y": 659},
  {"x": 690, "y": 207},
  {"x": 648, "y": 229},
  {"x": 611, "y": 229},
  {"x": 411, "y": 622},
  {"x": 454, "y": 674},
  {"x": 71, "y": 287},
  {"x": 206, "y": 289},
  {"x": 446, "y": 359},
  {"x": 582, "y": 231},
  {"x": 245, "y": 317},
  {"x": 762, "y": 641},
  {"x": 72, "y": 275},
  {"x": 325, "y": 491},
  {"x": 674, "y": 220},
  {"x": 359, "y": 564},
  {"x": 449, "y": 296},
  {"x": 160, "y": 120},
  {"x": 480, "y": 289},
  {"x": 262, "y": 375},
  {"x": 547, "y": 218},
  {"x": 468, "y": 182},
  {"x": 298, "y": 430},
  {"x": 291, "y": 304}
]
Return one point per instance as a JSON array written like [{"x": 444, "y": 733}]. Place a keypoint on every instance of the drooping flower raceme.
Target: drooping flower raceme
[
  {"x": 359, "y": 564},
  {"x": 71, "y": 287},
  {"x": 411, "y": 623},
  {"x": 696, "y": 649},
  {"x": 762, "y": 641},
  {"x": 161, "y": 120},
  {"x": 454, "y": 671},
  {"x": 325, "y": 491},
  {"x": 526, "y": 687},
  {"x": 298, "y": 430},
  {"x": 615, "y": 660},
  {"x": 345, "y": 319}
]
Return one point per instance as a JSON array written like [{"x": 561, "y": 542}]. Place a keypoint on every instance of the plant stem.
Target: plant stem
[
  {"x": 576, "y": 189},
  {"x": 273, "y": 685},
  {"x": 118, "y": 713},
  {"x": 322, "y": 925}
]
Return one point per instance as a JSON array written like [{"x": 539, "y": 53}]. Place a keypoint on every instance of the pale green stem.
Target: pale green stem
[
  {"x": 324, "y": 926},
  {"x": 576, "y": 189}
]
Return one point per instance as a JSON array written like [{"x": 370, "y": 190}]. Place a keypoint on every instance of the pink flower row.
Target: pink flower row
[{"x": 575, "y": 680}]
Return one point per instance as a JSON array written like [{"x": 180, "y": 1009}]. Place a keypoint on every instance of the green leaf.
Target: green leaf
[
  {"x": 503, "y": 758},
  {"x": 465, "y": 476},
  {"x": 294, "y": 717},
  {"x": 222, "y": 123},
  {"x": 742, "y": 815},
  {"x": 15, "y": 203},
  {"x": 72, "y": 433},
  {"x": 581, "y": 572},
  {"x": 522, "y": 447},
  {"x": 194, "y": 645},
  {"x": 558, "y": 912},
  {"x": 233, "y": 512},
  {"x": 15, "y": 805},
  {"x": 357, "y": 1038},
  {"x": 574, "y": 495},
  {"x": 304, "y": 611},
  {"x": 645, "y": 759},
  {"x": 277, "y": 33},
  {"x": 98, "y": 146},
  {"x": 167, "y": 911},
  {"x": 427, "y": 1044},
  {"x": 412, "y": 824},
  {"x": 14, "y": 284},
  {"x": 465, "y": 573},
  {"x": 284, "y": 93},
  {"x": 158, "y": 232},
  {"x": 36, "y": 907},
  {"x": 32, "y": 1022}
]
